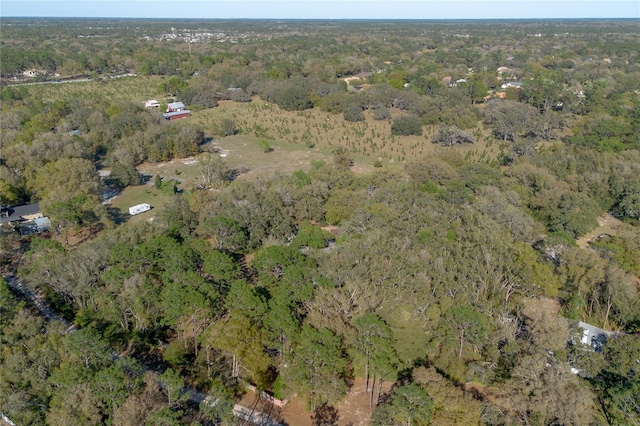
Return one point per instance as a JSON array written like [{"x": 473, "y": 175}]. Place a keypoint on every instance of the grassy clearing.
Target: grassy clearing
[
  {"x": 365, "y": 141},
  {"x": 133, "y": 195},
  {"x": 183, "y": 170},
  {"x": 137, "y": 89},
  {"x": 297, "y": 137}
]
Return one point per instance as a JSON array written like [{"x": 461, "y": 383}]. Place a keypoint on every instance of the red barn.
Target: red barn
[{"x": 176, "y": 115}]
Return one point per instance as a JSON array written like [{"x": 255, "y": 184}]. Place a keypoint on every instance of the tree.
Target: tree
[
  {"x": 317, "y": 367},
  {"x": 243, "y": 340},
  {"x": 511, "y": 120},
  {"x": 575, "y": 213},
  {"x": 218, "y": 407},
  {"x": 75, "y": 405},
  {"x": 124, "y": 174},
  {"x": 477, "y": 89},
  {"x": 451, "y": 135},
  {"x": 467, "y": 327},
  {"x": 620, "y": 379},
  {"x": 543, "y": 390},
  {"x": 213, "y": 169},
  {"x": 293, "y": 98},
  {"x": 177, "y": 216},
  {"x": 228, "y": 127},
  {"x": 380, "y": 112},
  {"x": 229, "y": 234},
  {"x": 408, "y": 405},
  {"x": 172, "y": 385},
  {"x": 375, "y": 344},
  {"x": 250, "y": 301},
  {"x": 353, "y": 113},
  {"x": 64, "y": 179},
  {"x": 406, "y": 125}
]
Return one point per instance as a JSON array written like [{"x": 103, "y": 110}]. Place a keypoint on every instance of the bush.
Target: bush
[
  {"x": 353, "y": 113},
  {"x": 381, "y": 112},
  {"x": 228, "y": 127},
  {"x": 265, "y": 146},
  {"x": 452, "y": 135},
  {"x": 294, "y": 98},
  {"x": 406, "y": 125}
]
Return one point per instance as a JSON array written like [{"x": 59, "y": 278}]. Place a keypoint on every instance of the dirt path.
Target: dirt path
[
  {"x": 353, "y": 410},
  {"x": 607, "y": 224}
]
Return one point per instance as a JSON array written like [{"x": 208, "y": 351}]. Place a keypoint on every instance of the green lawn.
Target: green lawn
[{"x": 146, "y": 193}]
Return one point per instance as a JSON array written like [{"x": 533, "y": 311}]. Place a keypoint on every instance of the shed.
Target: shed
[
  {"x": 152, "y": 103},
  {"x": 42, "y": 223}
]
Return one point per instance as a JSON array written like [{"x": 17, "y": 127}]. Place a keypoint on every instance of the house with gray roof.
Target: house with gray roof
[
  {"x": 20, "y": 213},
  {"x": 594, "y": 336}
]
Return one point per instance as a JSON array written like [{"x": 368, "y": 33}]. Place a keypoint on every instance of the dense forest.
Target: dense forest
[{"x": 468, "y": 192}]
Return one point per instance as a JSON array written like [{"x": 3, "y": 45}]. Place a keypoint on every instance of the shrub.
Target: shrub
[
  {"x": 294, "y": 98},
  {"x": 353, "y": 113},
  {"x": 265, "y": 146},
  {"x": 452, "y": 135},
  {"x": 406, "y": 125},
  {"x": 381, "y": 112}
]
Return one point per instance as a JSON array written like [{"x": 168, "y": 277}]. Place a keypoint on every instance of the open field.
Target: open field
[
  {"x": 296, "y": 136},
  {"x": 132, "y": 195},
  {"x": 137, "y": 89},
  {"x": 365, "y": 141}
]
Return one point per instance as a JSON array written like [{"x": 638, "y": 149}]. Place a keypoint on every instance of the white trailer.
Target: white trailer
[{"x": 139, "y": 208}]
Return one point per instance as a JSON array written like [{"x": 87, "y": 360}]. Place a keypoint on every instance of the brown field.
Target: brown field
[{"x": 365, "y": 141}]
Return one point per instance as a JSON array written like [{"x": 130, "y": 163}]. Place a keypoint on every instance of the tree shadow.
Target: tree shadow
[
  {"x": 234, "y": 173},
  {"x": 117, "y": 216},
  {"x": 325, "y": 415},
  {"x": 145, "y": 179}
]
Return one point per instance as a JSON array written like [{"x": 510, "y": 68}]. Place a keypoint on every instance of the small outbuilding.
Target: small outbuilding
[
  {"x": 42, "y": 223},
  {"x": 176, "y": 115},
  {"x": 139, "y": 208},
  {"x": 152, "y": 103},
  {"x": 514, "y": 84}
]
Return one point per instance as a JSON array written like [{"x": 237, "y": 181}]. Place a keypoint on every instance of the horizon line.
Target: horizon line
[{"x": 609, "y": 18}]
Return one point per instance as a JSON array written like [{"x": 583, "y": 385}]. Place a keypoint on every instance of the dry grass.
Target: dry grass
[
  {"x": 137, "y": 89},
  {"x": 298, "y": 137},
  {"x": 366, "y": 141}
]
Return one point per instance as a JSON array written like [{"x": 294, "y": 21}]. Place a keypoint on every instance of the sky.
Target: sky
[{"x": 327, "y": 9}]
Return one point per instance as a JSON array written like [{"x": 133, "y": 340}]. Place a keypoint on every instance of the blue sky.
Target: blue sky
[{"x": 328, "y": 9}]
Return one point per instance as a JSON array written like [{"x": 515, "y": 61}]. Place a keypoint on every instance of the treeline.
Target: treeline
[{"x": 435, "y": 269}]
